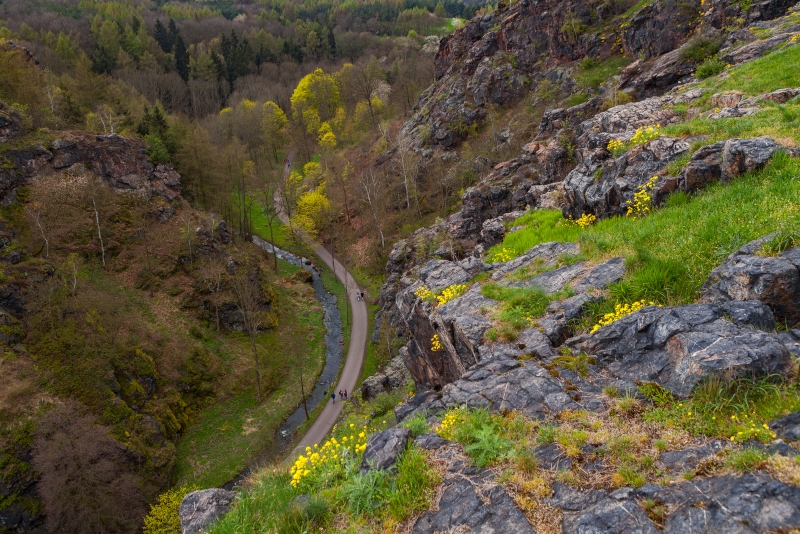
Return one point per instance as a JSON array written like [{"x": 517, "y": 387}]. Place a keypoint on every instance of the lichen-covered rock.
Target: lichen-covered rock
[
  {"x": 605, "y": 186},
  {"x": 201, "y": 508},
  {"x": 581, "y": 277},
  {"x": 685, "y": 460},
  {"x": 384, "y": 448},
  {"x": 678, "y": 347},
  {"x": 615, "y": 514},
  {"x": 744, "y": 275},
  {"x": 394, "y": 376},
  {"x": 505, "y": 385},
  {"x": 471, "y": 501}
]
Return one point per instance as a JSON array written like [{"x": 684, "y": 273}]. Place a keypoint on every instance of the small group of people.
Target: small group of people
[
  {"x": 342, "y": 396},
  {"x": 360, "y": 295}
]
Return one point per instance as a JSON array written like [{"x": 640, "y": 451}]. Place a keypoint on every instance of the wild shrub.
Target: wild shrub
[
  {"x": 711, "y": 66},
  {"x": 699, "y": 49}
]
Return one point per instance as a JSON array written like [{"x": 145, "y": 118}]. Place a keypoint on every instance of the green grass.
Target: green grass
[
  {"x": 779, "y": 122},
  {"x": 762, "y": 75},
  {"x": 746, "y": 459},
  {"x": 725, "y": 409},
  {"x": 593, "y": 73},
  {"x": 541, "y": 226},
  {"x": 671, "y": 252},
  {"x": 356, "y": 499},
  {"x": 519, "y": 305}
]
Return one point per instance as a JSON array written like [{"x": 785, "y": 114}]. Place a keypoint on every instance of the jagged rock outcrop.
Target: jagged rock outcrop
[
  {"x": 788, "y": 427},
  {"x": 471, "y": 500},
  {"x": 678, "y": 347},
  {"x": 498, "y": 58},
  {"x": 745, "y": 275},
  {"x": 201, "y": 508},
  {"x": 120, "y": 161},
  {"x": 384, "y": 448},
  {"x": 393, "y": 377}
]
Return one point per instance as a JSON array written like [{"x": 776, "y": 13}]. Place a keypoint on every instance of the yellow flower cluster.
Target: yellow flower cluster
[
  {"x": 436, "y": 344},
  {"x": 163, "y": 517},
  {"x": 620, "y": 311},
  {"x": 642, "y": 200},
  {"x": 424, "y": 293},
  {"x": 585, "y": 221},
  {"x": 645, "y": 134},
  {"x": 751, "y": 430},
  {"x": 640, "y": 137},
  {"x": 616, "y": 147},
  {"x": 442, "y": 298},
  {"x": 450, "y": 293},
  {"x": 318, "y": 459},
  {"x": 450, "y": 422},
  {"x": 503, "y": 256}
]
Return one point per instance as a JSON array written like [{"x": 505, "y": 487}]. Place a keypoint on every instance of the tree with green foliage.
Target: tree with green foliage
[
  {"x": 274, "y": 123},
  {"x": 439, "y": 10}
]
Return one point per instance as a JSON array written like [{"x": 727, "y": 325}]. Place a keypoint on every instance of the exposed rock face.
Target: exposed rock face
[
  {"x": 393, "y": 377},
  {"x": 753, "y": 502},
  {"x": 680, "y": 346},
  {"x": 471, "y": 501},
  {"x": 506, "y": 385},
  {"x": 120, "y": 161},
  {"x": 10, "y": 124},
  {"x": 498, "y": 58},
  {"x": 383, "y": 448},
  {"x": 775, "y": 281},
  {"x": 201, "y": 508},
  {"x": 787, "y": 427}
]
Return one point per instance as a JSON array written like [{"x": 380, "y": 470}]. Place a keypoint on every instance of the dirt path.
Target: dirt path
[{"x": 358, "y": 337}]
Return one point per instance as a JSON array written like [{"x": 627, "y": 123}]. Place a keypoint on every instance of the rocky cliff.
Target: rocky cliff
[{"x": 502, "y": 57}]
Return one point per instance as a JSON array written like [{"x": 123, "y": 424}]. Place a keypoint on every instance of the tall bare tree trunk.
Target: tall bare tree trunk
[{"x": 99, "y": 233}]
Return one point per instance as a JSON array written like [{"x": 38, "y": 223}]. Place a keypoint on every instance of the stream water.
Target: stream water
[{"x": 334, "y": 349}]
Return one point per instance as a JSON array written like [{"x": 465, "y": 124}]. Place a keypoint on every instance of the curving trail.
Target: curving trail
[{"x": 358, "y": 336}]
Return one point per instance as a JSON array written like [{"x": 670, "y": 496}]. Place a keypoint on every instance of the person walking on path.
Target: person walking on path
[
  {"x": 333, "y": 398},
  {"x": 345, "y": 394}
]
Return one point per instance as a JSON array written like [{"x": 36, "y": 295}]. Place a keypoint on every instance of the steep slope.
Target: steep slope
[{"x": 121, "y": 324}]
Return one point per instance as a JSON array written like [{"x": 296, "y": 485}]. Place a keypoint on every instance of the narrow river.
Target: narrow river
[{"x": 334, "y": 348}]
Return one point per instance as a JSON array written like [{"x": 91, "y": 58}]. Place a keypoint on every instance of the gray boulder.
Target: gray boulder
[
  {"x": 461, "y": 510},
  {"x": 678, "y": 347},
  {"x": 506, "y": 385},
  {"x": 604, "y": 185},
  {"x": 775, "y": 281},
  {"x": 616, "y": 514},
  {"x": 570, "y": 499},
  {"x": 787, "y": 427},
  {"x": 199, "y": 509},
  {"x": 724, "y": 161},
  {"x": 747, "y": 503},
  {"x": 383, "y": 448},
  {"x": 439, "y": 274},
  {"x": 685, "y": 460},
  {"x": 543, "y": 255},
  {"x": 492, "y": 232}
]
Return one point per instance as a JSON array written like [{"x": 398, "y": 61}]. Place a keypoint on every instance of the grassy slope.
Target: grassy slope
[{"x": 671, "y": 252}]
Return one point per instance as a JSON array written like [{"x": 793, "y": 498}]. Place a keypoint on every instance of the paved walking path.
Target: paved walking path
[{"x": 358, "y": 337}]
